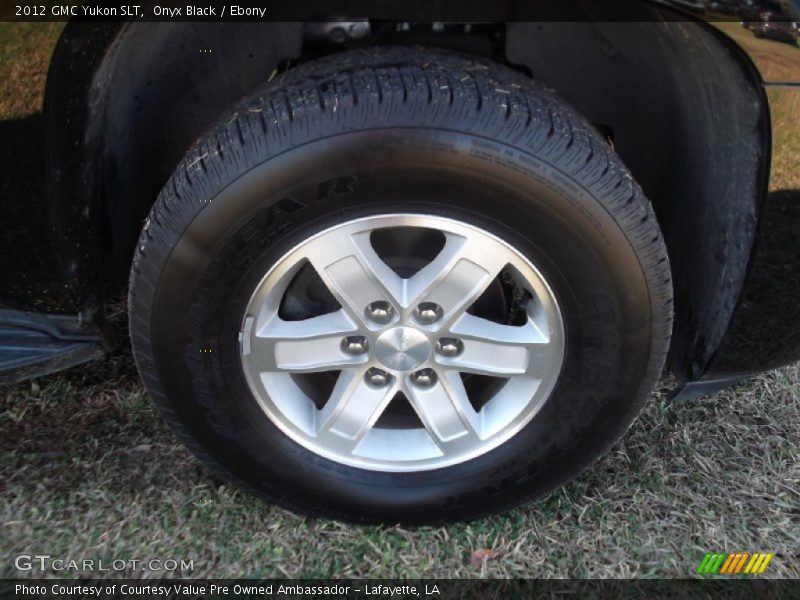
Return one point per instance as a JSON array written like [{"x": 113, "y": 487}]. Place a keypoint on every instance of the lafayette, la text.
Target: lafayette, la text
[{"x": 255, "y": 589}]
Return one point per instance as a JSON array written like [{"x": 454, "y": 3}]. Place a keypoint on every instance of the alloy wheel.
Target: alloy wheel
[{"x": 402, "y": 333}]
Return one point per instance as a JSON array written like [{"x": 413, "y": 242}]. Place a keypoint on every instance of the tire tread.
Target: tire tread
[{"x": 383, "y": 86}]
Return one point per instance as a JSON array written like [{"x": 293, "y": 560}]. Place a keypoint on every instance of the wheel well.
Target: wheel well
[
  {"x": 681, "y": 105},
  {"x": 686, "y": 112}
]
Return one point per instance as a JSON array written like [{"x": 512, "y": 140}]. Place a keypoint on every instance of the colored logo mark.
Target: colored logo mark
[{"x": 734, "y": 564}]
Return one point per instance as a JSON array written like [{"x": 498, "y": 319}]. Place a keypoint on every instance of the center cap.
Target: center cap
[{"x": 402, "y": 348}]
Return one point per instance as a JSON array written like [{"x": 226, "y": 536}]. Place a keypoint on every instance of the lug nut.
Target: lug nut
[
  {"x": 428, "y": 312},
  {"x": 380, "y": 312},
  {"x": 449, "y": 347},
  {"x": 377, "y": 378},
  {"x": 355, "y": 344},
  {"x": 424, "y": 377}
]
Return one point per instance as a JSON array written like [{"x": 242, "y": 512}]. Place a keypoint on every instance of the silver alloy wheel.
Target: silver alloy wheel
[{"x": 411, "y": 336}]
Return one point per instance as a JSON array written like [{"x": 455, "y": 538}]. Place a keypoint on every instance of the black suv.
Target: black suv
[{"x": 414, "y": 267}]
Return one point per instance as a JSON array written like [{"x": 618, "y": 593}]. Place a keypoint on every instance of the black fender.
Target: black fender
[
  {"x": 123, "y": 104},
  {"x": 690, "y": 119},
  {"x": 683, "y": 104}
]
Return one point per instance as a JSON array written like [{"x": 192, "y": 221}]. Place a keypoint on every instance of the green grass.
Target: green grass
[{"x": 88, "y": 470}]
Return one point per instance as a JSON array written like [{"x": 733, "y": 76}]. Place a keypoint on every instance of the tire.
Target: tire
[{"x": 428, "y": 135}]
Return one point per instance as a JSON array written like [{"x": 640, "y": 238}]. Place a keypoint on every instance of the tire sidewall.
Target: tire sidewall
[{"x": 237, "y": 233}]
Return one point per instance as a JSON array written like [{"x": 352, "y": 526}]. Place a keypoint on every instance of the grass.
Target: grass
[
  {"x": 775, "y": 60},
  {"x": 88, "y": 470},
  {"x": 25, "y": 50}
]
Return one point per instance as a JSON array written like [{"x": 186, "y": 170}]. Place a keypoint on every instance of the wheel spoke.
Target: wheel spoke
[
  {"x": 494, "y": 360},
  {"x": 306, "y": 346},
  {"x": 545, "y": 362},
  {"x": 444, "y": 409},
  {"x": 457, "y": 276},
  {"x": 496, "y": 350},
  {"x": 352, "y": 408},
  {"x": 354, "y": 273}
]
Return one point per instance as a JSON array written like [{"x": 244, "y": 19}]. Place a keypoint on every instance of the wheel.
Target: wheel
[{"x": 400, "y": 285}]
